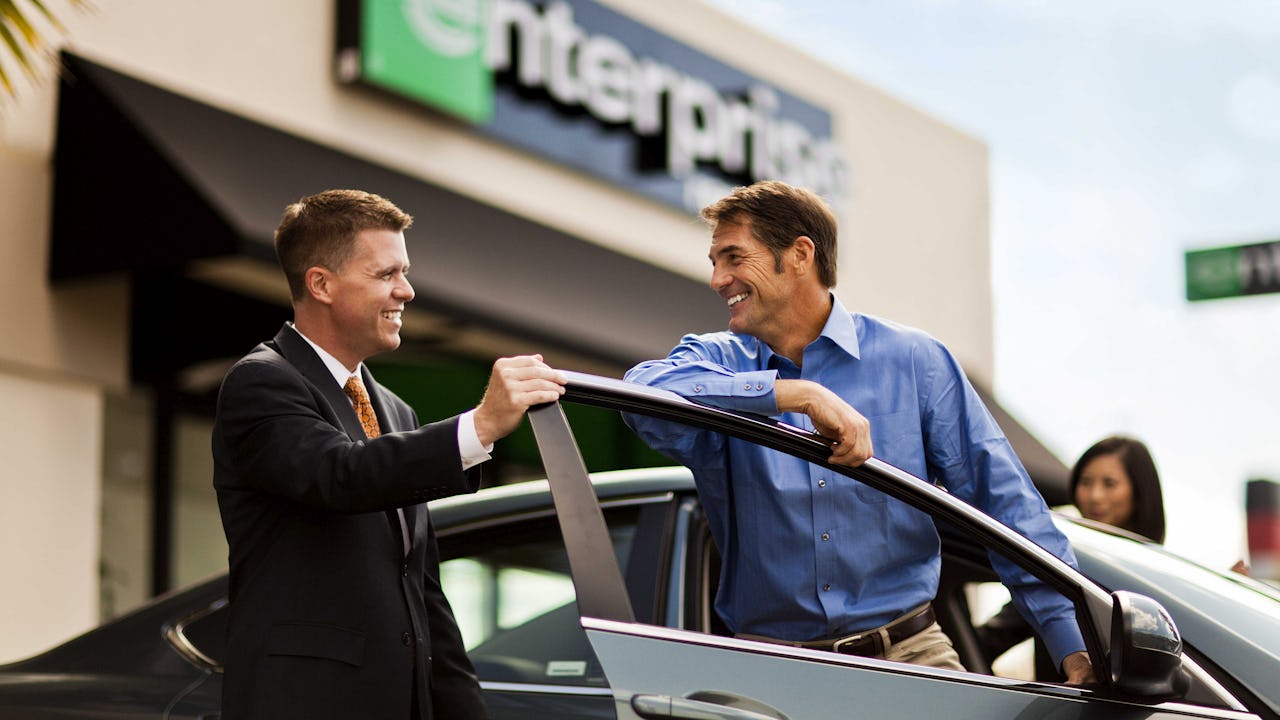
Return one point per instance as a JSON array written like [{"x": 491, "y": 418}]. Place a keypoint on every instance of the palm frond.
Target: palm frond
[
  {"x": 15, "y": 47},
  {"x": 22, "y": 39}
]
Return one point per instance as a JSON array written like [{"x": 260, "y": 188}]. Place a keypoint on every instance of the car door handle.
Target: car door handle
[{"x": 665, "y": 706}]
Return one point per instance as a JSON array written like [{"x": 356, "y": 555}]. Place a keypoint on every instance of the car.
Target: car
[{"x": 590, "y": 596}]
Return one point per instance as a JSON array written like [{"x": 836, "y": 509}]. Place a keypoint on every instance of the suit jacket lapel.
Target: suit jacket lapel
[
  {"x": 387, "y": 422},
  {"x": 301, "y": 356}
]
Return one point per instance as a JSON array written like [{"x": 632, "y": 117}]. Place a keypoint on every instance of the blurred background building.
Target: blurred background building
[{"x": 555, "y": 181}]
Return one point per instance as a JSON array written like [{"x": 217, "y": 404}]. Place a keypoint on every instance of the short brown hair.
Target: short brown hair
[
  {"x": 776, "y": 214},
  {"x": 321, "y": 230}
]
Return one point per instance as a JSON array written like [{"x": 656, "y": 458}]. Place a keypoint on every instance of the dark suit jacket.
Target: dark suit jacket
[{"x": 329, "y": 618}]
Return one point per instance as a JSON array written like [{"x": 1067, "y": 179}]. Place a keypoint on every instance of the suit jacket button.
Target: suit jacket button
[{"x": 406, "y": 639}]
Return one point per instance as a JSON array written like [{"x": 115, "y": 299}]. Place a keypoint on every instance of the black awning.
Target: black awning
[{"x": 146, "y": 179}]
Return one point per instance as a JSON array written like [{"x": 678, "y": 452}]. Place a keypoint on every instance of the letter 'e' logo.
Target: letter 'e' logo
[{"x": 432, "y": 50}]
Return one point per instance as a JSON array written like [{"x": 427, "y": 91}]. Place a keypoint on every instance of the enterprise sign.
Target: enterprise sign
[{"x": 583, "y": 85}]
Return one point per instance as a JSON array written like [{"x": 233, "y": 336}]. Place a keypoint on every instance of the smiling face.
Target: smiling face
[
  {"x": 1105, "y": 492},
  {"x": 745, "y": 273},
  {"x": 367, "y": 296}
]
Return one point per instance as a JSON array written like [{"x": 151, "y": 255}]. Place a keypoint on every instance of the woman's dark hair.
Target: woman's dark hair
[{"x": 1148, "y": 501}]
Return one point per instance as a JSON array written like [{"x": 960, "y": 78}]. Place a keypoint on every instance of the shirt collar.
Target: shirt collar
[
  {"x": 336, "y": 368},
  {"x": 840, "y": 329}
]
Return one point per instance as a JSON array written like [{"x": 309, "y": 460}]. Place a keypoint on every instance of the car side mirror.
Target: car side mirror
[{"x": 1146, "y": 649}]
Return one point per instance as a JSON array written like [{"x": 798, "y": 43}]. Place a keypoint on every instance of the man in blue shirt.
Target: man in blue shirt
[{"x": 812, "y": 558}]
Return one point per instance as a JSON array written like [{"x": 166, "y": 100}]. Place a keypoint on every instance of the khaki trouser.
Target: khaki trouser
[{"x": 930, "y": 647}]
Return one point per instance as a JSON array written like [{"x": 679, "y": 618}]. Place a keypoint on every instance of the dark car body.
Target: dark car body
[{"x": 592, "y": 598}]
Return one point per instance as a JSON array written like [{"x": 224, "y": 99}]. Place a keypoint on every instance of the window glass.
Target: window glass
[
  {"x": 988, "y": 606},
  {"x": 513, "y": 597},
  {"x": 829, "y": 505}
]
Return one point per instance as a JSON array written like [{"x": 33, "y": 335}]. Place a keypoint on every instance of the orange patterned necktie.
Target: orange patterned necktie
[{"x": 364, "y": 408}]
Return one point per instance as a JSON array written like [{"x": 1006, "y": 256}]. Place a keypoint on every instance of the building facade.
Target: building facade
[{"x": 554, "y": 156}]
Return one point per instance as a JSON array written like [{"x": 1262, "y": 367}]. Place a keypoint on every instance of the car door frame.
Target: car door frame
[{"x": 603, "y": 599}]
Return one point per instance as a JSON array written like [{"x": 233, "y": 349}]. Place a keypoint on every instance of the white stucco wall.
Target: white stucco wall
[{"x": 51, "y": 452}]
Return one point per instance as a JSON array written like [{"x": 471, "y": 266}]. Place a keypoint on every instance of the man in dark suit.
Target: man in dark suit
[{"x": 321, "y": 475}]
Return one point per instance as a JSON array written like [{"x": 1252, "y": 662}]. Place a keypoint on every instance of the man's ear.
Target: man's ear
[
  {"x": 318, "y": 281},
  {"x": 803, "y": 252}
]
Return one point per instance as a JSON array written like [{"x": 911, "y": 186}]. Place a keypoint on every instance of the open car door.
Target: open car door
[{"x": 660, "y": 672}]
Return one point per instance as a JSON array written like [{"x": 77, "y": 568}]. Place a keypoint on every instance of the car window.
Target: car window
[
  {"x": 988, "y": 605},
  {"x": 967, "y": 552},
  {"x": 970, "y": 597},
  {"x": 513, "y": 597},
  {"x": 510, "y": 590},
  {"x": 817, "y": 495}
]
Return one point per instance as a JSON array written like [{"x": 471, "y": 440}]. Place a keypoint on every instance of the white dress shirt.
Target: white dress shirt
[{"x": 473, "y": 452}]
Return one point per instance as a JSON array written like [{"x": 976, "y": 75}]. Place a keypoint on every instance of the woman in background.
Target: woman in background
[{"x": 1114, "y": 482}]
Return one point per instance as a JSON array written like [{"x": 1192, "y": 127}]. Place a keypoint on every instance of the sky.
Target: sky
[{"x": 1121, "y": 135}]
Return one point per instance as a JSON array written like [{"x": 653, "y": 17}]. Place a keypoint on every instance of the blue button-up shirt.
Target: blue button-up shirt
[{"x": 808, "y": 553}]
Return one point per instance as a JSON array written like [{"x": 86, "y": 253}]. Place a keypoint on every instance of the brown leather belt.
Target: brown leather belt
[{"x": 868, "y": 643}]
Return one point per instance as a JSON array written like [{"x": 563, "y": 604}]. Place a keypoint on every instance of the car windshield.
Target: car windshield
[{"x": 1203, "y": 601}]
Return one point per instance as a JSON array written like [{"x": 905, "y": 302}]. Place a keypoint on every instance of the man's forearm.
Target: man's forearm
[{"x": 832, "y": 417}]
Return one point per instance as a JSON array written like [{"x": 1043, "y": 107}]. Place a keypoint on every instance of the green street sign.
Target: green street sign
[{"x": 1233, "y": 271}]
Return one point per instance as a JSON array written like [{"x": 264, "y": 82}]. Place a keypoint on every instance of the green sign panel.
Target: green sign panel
[
  {"x": 1233, "y": 271},
  {"x": 436, "y": 57}
]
